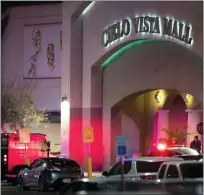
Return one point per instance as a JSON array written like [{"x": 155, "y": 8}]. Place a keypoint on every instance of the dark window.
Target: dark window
[
  {"x": 43, "y": 146},
  {"x": 127, "y": 166},
  {"x": 162, "y": 171},
  {"x": 62, "y": 163},
  {"x": 33, "y": 163},
  {"x": 54, "y": 117},
  {"x": 148, "y": 167},
  {"x": 115, "y": 170},
  {"x": 73, "y": 163},
  {"x": 36, "y": 164},
  {"x": 172, "y": 172},
  {"x": 194, "y": 170}
]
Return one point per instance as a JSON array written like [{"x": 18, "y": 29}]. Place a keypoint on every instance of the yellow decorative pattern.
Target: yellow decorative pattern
[
  {"x": 36, "y": 37},
  {"x": 51, "y": 56}
]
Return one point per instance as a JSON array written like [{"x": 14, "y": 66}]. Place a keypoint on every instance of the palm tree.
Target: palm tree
[{"x": 179, "y": 135}]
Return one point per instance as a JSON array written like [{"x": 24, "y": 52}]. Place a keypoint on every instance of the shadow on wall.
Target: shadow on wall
[
  {"x": 128, "y": 118},
  {"x": 136, "y": 117},
  {"x": 178, "y": 116}
]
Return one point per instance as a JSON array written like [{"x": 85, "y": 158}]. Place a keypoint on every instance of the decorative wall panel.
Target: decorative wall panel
[{"x": 42, "y": 51}]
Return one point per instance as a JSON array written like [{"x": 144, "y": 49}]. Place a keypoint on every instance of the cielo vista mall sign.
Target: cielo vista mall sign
[{"x": 154, "y": 25}]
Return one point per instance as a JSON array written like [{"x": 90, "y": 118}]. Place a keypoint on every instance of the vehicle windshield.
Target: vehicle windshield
[
  {"x": 60, "y": 163},
  {"x": 186, "y": 151},
  {"x": 192, "y": 170},
  {"x": 148, "y": 167}
]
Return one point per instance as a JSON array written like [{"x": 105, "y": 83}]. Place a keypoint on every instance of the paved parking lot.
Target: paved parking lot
[
  {"x": 13, "y": 190},
  {"x": 8, "y": 189}
]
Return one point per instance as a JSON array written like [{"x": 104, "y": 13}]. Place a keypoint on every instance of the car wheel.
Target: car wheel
[
  {"x": 42, "y": 184},
  {"x": 21, "y": 185}
]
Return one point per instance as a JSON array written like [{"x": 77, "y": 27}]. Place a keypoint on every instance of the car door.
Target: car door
[
  {"x": 172, "y": 174},
  {"x": 172, "y": 182},
  {"x": 35, "y": 169},
  {"x": 28, "y": 173},
  {"x": 162, "y": 172},
  {"x": 116, "y": 170}
]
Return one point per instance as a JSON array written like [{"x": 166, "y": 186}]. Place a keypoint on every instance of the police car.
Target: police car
[
  {"x": 175, "y": 151},
  {"x": 139, "y": 168}
]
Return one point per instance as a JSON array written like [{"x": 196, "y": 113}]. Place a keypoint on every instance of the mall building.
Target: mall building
[{"x": 128, "y": 68}]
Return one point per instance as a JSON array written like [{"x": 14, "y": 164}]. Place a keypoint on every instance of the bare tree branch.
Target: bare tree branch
[{"x": 17, "y": 106}]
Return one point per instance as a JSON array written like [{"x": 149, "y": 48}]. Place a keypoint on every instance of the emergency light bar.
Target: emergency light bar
[{"x": 161, "y": 146}]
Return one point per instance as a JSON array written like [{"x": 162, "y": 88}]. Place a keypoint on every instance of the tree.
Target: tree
[
  {"x": 179, "y": 135},
  {"x": 17, "y": 108}
]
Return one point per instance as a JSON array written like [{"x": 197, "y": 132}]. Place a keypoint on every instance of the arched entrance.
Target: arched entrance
[{"x": 146, "y": 66}]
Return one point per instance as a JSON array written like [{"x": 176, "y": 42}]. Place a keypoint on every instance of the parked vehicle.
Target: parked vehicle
[
  {"x": 180, "y": 171},
  {"x": 49, "y": 172},
  {"x": 175, "y": 151},
  {"x": 13, "y": 153},
  {"x": 140, "y": 168},
  {"x": 183, "y": 176}
]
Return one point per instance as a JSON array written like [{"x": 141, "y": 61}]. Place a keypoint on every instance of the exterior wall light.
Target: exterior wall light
[
  {"x": 159, "y": 97},
  {"x": 65, "y": 123},
  {"x": 186, "y": 97},
  {"x": 64, "y": 98}
]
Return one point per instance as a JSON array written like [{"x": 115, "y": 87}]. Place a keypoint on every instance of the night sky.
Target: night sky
[{"x": 8, "y": 4}]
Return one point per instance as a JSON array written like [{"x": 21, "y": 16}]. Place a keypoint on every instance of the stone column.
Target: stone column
[
  {"x": 68, "y": 8},
  {"x": 107, "y": 137},
  {"x": 194, "y": 117},
  {"x": 163, "y": 123}
]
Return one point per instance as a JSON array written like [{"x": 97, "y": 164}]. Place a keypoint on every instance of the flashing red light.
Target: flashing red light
[{"x": 161, "y": 146}]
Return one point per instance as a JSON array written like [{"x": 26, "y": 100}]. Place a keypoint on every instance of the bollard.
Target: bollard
[{"x": 89, "y": 167}]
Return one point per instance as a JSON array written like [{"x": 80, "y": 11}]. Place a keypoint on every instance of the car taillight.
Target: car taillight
[
  {"x": 5, "y": 158},
  {"x": 148, "y": 177}
]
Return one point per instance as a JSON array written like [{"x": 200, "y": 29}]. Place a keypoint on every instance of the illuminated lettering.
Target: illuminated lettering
[
  {"x": 147, "y": 24},
  {"x": 175, "y": 29},
  {"x": 115, "y": 31}
]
